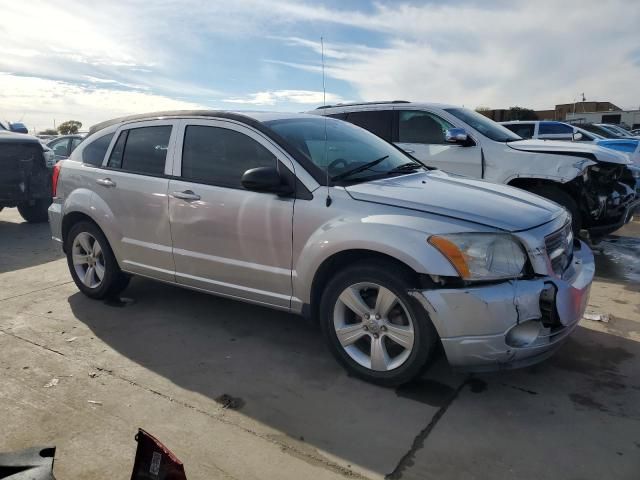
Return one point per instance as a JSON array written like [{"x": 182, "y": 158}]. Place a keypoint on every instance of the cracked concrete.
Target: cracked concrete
[{"x": 161, "y": 360}]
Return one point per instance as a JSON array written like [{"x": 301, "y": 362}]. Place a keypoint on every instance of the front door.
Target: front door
[
  {"x": 422, "y": 134},
  {"x": 226, "y": 239}
]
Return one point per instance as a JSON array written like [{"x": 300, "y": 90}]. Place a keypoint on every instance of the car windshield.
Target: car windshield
[
  {"x": 617, "y": 130},
  {"x": 484, "y": 125},
  {"x": 341, "y": 147}
]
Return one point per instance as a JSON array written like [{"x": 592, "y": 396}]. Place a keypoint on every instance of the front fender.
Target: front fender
[
  {"x": 557, "y": 168},
  {"x": 382, "y": 234}
]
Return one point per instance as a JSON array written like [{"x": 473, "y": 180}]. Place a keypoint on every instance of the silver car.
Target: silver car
[{"x": 319, "y": 217}]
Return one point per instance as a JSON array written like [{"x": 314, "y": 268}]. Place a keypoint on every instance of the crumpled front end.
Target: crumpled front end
[
  {"x": 609, "y": 195},
  {"x": 513, "y": 323}
]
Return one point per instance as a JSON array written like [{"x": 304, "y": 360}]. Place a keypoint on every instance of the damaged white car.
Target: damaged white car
[{"x": 594, "y": 184}]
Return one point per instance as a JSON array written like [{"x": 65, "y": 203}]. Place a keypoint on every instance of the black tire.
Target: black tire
[
  {"x": 564, "y": 199},
  {"x": 114, "y": 280},
  {"x": 36, "y": 213},
  {"x": 398, "y": 280}
]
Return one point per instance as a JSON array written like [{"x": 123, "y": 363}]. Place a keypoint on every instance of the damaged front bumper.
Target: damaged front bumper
[{"x": 511, "y": 324}]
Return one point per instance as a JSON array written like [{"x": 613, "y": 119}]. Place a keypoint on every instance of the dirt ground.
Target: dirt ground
[{"x": 242, "y": 392}]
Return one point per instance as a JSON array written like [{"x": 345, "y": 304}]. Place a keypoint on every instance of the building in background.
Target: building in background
[
  {"x": 603, "y": 112},
  {"x": 626, "y": 118}
]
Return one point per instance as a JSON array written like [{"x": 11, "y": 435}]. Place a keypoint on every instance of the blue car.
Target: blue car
[{"x": 551, "y": 130}]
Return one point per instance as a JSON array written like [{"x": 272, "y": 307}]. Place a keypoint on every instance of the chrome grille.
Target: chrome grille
[{"x": 560, "y": 248}]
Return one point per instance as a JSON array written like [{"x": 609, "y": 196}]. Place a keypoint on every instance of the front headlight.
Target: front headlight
[{"x": 482, "y": 256}]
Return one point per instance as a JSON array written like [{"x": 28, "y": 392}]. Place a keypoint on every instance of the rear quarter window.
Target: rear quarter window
[{"x": 94, "y": 152}]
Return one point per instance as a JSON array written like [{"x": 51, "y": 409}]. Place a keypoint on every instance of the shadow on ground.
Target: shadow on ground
[
  {"x": 285, "y": 378},
  {"x": 24, "y": 244}
]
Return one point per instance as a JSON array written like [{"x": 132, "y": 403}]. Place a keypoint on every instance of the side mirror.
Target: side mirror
[
  {"x": 456, "y": 135},
  {"x": 266, "y": 179},
  {"x": 576, "y": 137}
]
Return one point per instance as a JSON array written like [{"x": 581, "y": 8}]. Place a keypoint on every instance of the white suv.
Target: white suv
[{"x": 593, "y": 183}]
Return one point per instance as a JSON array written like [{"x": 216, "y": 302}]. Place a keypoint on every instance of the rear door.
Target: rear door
[
  {"x": 226, "y": 239},
  {"x": 422, "y": 134},
  {"x": 133, "y": 185}
]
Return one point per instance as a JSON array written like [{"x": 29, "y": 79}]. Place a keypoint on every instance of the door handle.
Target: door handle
[
  {"x": 409, "y": 150},
  {"x": 106, "y": 182},
  {"x": 186, "y": 195}
]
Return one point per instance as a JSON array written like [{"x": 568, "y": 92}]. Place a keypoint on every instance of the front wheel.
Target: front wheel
[
  {"x": 35, "y": 212},
  {"x": 92, "y": 263},
  {"x": 374, "y": 328}
]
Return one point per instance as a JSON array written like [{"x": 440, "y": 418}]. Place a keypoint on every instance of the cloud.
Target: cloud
[
  {"x": 533, "y": 54},
  {"x": 306, "y": 97},
  {"x": 38, "y": 102}
]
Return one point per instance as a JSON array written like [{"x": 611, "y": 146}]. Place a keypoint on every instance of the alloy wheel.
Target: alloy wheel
[
  {"x": 88, "y": 260},
  {"x": 373, "y": 326}
]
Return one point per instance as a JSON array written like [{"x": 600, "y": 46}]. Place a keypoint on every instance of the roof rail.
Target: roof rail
[{"x": 361, "y": 103}]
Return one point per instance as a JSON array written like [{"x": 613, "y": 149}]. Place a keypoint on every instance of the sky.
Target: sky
[{"x": 91, "y": 61}]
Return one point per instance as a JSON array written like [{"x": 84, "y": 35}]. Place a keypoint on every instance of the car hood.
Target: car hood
[
  {"x": 574, "y": 149},
  {"x": 489, "y": 204}
]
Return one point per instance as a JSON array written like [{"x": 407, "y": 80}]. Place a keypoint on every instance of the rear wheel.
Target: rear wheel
[
  {"x": 374, "y": 328},
  {"x": 91, "y": 262},
  {"x": 36, "y": 211},
  {"x": 562, "y": 198}
]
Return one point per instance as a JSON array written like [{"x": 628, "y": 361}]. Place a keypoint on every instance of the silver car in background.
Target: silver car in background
[{"x": 319, "y": 217}]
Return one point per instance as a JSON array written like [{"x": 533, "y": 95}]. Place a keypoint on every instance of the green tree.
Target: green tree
[
  {"x": 49, "y": 131},
  {"x": 521, "y": 113},
  {"x": 482, "y": 109},
  {"x": 69, "y": 127}
]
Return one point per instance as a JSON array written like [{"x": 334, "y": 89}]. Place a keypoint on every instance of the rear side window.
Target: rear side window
[
  {"x": 524, "y": 130},
  {"x": 94, "y": 153},
  {"x": 142, "y": 150},
  {"x": 220, "y": 156},
  {"x": 421, "y": 127},
  {"x": 378, "y": 122},
  {"x": 550, "y": 128}
]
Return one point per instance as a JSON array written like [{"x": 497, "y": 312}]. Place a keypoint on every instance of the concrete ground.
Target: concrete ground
[{"x": 164, "y": 358}]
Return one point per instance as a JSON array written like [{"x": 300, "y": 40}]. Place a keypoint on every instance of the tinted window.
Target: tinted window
[
  {"x": 142, "y": 150},
  {"x": 377, "y": 122},
  {"x": 115, "y": 159},
  {"x": 524, "y": 130},
  {"x": 94, "y": 153},
  {"x": 548, "y": 128},
  {"x": 334, "y": 147},
  {"x": 221, "y": 156},
  {"x": 75, "y": 142},
  {"x": 421, "y": 127}
]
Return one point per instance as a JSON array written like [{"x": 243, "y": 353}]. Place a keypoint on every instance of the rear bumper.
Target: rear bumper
[
  {"x": 55, "y": 220},
  {"x": 507, "y": 325}
]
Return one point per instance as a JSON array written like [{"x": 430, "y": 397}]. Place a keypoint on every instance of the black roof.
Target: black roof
[
  {"x": 171, "y": 113},
  {"x": 361, "y": 103}
]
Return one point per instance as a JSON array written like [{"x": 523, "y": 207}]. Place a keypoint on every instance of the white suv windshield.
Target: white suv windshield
[
  {"x": 482, "y": 124},
  {"x": 340, "y": 147}
]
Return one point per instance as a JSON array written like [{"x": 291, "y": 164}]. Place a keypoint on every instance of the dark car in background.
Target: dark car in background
[
  {"x": 25, "y": 175},
  {"x": 64, "y": 145}
]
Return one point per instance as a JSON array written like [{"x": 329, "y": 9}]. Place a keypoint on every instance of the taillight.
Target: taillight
[{"x": 56, "y": 173}]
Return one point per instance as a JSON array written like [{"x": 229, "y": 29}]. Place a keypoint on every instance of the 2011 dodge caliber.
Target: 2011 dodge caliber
[{"x": 320, "y": 217}]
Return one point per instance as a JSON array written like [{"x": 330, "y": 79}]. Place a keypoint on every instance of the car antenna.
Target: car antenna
[{"x": 324, "y": 104}]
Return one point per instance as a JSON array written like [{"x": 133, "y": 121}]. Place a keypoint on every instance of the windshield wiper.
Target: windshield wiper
[
  {"x": 405, "y": 167},
  {"x": 359, "y": 169}
]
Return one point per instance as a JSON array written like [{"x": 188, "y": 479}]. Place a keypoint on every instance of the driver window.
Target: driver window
[
  {"x": 62, "y": 148},
  {"x": 421, "y": 127}
]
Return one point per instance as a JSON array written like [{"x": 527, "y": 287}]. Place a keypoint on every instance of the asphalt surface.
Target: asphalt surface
[{"x": 238, "y": 391}]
